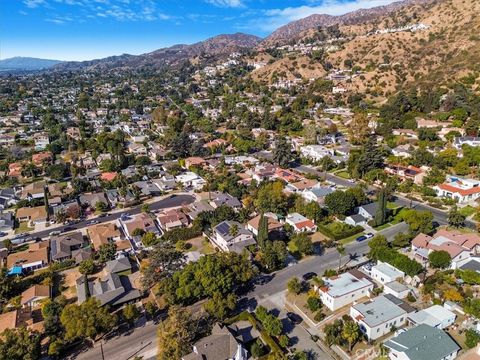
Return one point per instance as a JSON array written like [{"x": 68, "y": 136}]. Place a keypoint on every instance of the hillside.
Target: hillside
[
  {"x": 442, "y": 47},
  {"x": 293, "y": 30},
  {"x": 217, "y": 46},
  {"x": 26, "y": 63}
]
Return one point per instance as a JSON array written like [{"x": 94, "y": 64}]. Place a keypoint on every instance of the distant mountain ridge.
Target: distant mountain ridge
[
  {"x": 293, "y": 29},
  {"x": 20, "y": 63},
  {"x": 218, "y": 45}
]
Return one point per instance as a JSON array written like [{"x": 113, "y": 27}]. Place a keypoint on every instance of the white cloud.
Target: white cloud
[
  {"x": 33, "y": 3},
  {"x": 226, "y": 3},
  {"x": 274, "y": 18}
]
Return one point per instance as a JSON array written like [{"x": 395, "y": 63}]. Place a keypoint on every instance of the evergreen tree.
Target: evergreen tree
[
  {"x": 262, "y": 236},
  {"x": 381, "y": 213}
]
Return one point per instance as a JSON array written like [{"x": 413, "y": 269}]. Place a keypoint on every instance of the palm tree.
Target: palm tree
[
  {"x": 350, "y": 333},
  {"x": 341, "y": 252},
  {"x": 233, "y": 231}
]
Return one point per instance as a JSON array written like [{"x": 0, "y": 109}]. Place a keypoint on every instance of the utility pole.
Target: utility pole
[{"x": 101, "y": 349}]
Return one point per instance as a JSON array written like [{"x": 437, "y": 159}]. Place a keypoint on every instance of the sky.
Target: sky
[{"x": 91, "y": 29}]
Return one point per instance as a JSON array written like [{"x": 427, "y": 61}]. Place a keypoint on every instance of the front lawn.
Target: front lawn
[
  {"x": 23, "y": 227},
  {"x": 381, "y": 227},
  {"x": 338, "y": 230},
  {"x": 467, "y": 210},
  {"x": 351, "y": 238},
  {"x": 343, "y": 174}
]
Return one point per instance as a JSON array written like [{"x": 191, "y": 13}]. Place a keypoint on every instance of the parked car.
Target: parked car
[
  {"x": 2, "y": 234},
  {"x": 361, "y": 238},
  {"x": 369, "y": 235},
  {"x": 92, "y": 222},
  {"x": 54, "y": 233},
  {"x": 294, "y": 318},
  {"x": 309, "y": 275}
]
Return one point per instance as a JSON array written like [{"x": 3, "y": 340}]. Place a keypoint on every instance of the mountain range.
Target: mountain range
[{"x": 19, "y": 63}]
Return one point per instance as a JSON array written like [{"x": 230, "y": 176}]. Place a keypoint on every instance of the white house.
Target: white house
[
  {"x": 473, "y": 141},
  {"x": 422, "y": 342},
  {"x": 300, "y": 223},
  {"x": 436, "y": 316},
  {"x": 396, "y": 289},
  {"x": 462, "y": 190},
  {"x": 190, "y": 179},
  {"x": 344, "y": 289},
  {"x": 385, "y": 273},
  {"x": 377, "y": 317},
  {"x": 316, "y": 152}
]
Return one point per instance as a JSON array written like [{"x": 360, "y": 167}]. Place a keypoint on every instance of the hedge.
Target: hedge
[
  {"x": 345, "y": 231},
  {"x": 182, "y": 234}
]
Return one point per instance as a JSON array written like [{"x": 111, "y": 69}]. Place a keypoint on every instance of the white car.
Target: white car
[{"x": 369, "y": 235}]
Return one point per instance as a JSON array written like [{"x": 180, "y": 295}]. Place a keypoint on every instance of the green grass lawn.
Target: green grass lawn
[
  {"x": 467, "y": 210},
  {"x": 392, "y": 205},
  {"x": 343, "y": 174},
  {"x": 23, "y": 227},
  {"x": 351, "y": 238}
]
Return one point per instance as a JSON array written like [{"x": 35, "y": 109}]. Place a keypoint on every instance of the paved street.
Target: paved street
[{"x": 168, "y": 202}]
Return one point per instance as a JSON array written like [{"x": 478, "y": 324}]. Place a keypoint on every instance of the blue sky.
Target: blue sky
[{"x": 89, "y": 29}]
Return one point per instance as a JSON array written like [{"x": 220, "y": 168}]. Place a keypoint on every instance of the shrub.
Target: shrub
[
  {"x": 339, "y": 230},
  {"x": 319, "y": 316},
  {"x": 314, "y": 303},
  {"x": 182, "y": 234}
]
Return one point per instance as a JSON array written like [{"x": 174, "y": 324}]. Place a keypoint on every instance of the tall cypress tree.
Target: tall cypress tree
[
  {"x": 262, "y": 236},
  {"x": 381, "y": 213}
]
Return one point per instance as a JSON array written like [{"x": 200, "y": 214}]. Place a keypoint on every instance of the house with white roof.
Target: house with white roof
[
  {"x": 377, "y": 317},
  {"x": 385, "y": 273},
  {"x": 316, "y": 152},
  {"x": 473, "y": 141},
  {"x": 436, "y": 316},
  {"x": 344, "y": 289},
  {"x": 300, "y": 223},
  {"x": 191, "y": 179}
]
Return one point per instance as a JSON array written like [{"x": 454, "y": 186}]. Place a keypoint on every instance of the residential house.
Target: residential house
[
  {"x": 34, "y": 190},
  {"x": 194, "y": 162},
  {"x": 364, "y": 214},
  {"x": 275, "y": 228},
  {"x": 215, "y": 144},
  {"x": 90, "y": 200},
  {"x": 460, "y": 246},
  {"x": 317, "y": 193},
  {"x": 190, "y": 179},
  {"x": 119, "y": 265},
  {"x": 262, "y": 172},
  {"x": 385, "y": 273},
  {"x": 61, "y": 246},
  {"x": 42, "y": 158},
  {"x": 462, "y": 190},
  {"x": 106, "y": 233},
  {"x": 8, "y": 197},
  {"x": 137, "y": 149},
  {"x": 74, "y": 133},
  {"x": 15, "y": 169},
  {"x": 301, "y": 185},
  {"x": 421, "y": 343},
  {"x": 172, "y": 219},
  {"x": 409, "y": 172},
  {"x": 218, "y": 199},
  {"x": 377, "y": 317},
  {"x": 34, "y": 258},
  {"x": 473, "y": 141},
  {"x": 114, "y": 197},
  {"x": 108, "y": 176},
  {"x": 198, "y": 207},
  {"x": 436, "y": 316},
  {"x": 224, "y": 344},
  {"x": 32, "y": 215},
  {"x": 113, "y": 290},
  {"x": 300, "y": 223},
  {"x": 232, "y": 236},
  {"x": 344, "y": 289},
  {"x": 7, "y": 221},
  {"x": 403, "y": 151},
  {"x": 41, "y": 140},
  {"x": 147, "y": 188},
  {"x": 290, "y": 177},
  {"x": 34, "y": 295},
  {"x": 24, "y": 317},
  {"x": 316, "y": 152},
  {"x": 140, "y": 221},
  {"x": 166, "y": 183}
]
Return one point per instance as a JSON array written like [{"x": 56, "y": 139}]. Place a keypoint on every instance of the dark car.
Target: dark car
[
  {"x": 361, "y": 238},
  {"x": 294, "y": 318},
  {"x": 309, "y": 276}
]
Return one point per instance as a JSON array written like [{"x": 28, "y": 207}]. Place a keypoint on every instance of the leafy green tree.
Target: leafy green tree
[
  {"x": 350, "y": 333},
  {"x": 87, "y": 320},
  {"x": 165, "y": 260},
  {"x": 87, "y": 267},
  {"x": 176, "y": 334},
  {"x": 274, "y": 255},
  {"x": 419, "y": 221},
  {"x": 333, "y": 332},
  {"x": 138, "y": 232},
  {"x": 401, "y": 240},
  {"x": 20, "y": 344},
  {"x": 107, "y": 252},
  {"x": 270, "y": 197},
  {"x": 455, "y": 218},
  {"x": 130, "y": 313},
  {"x": 257, "y": 349},
  {"x": 472, "y": 338},
  {"x": 101, "y": 206},
  {"x": 340, "y": 202},
  {"x": 145, "y": 208},
  {"x": 220, "y": 306},
  {"x": 282, "y": 154},
  {"x": 149, "y": 239},
  {"x": 472, "y": 307},
  {"x": 439, "y": 259},
  {"x": 434, "y": 177},
  {"x": 51, "y": 311},
  {"x": 303, "y": 243},
  {"x": 294, "y": 285},
  {"x": 314, "y": 303}
]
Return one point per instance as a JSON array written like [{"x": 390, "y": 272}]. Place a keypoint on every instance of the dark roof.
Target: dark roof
[
  {"x": 118, "y": 265},
  {"x": 61, "y": 245},
  {"x": 370, "y": 208},
  {"x": 471, "y": 265}
]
